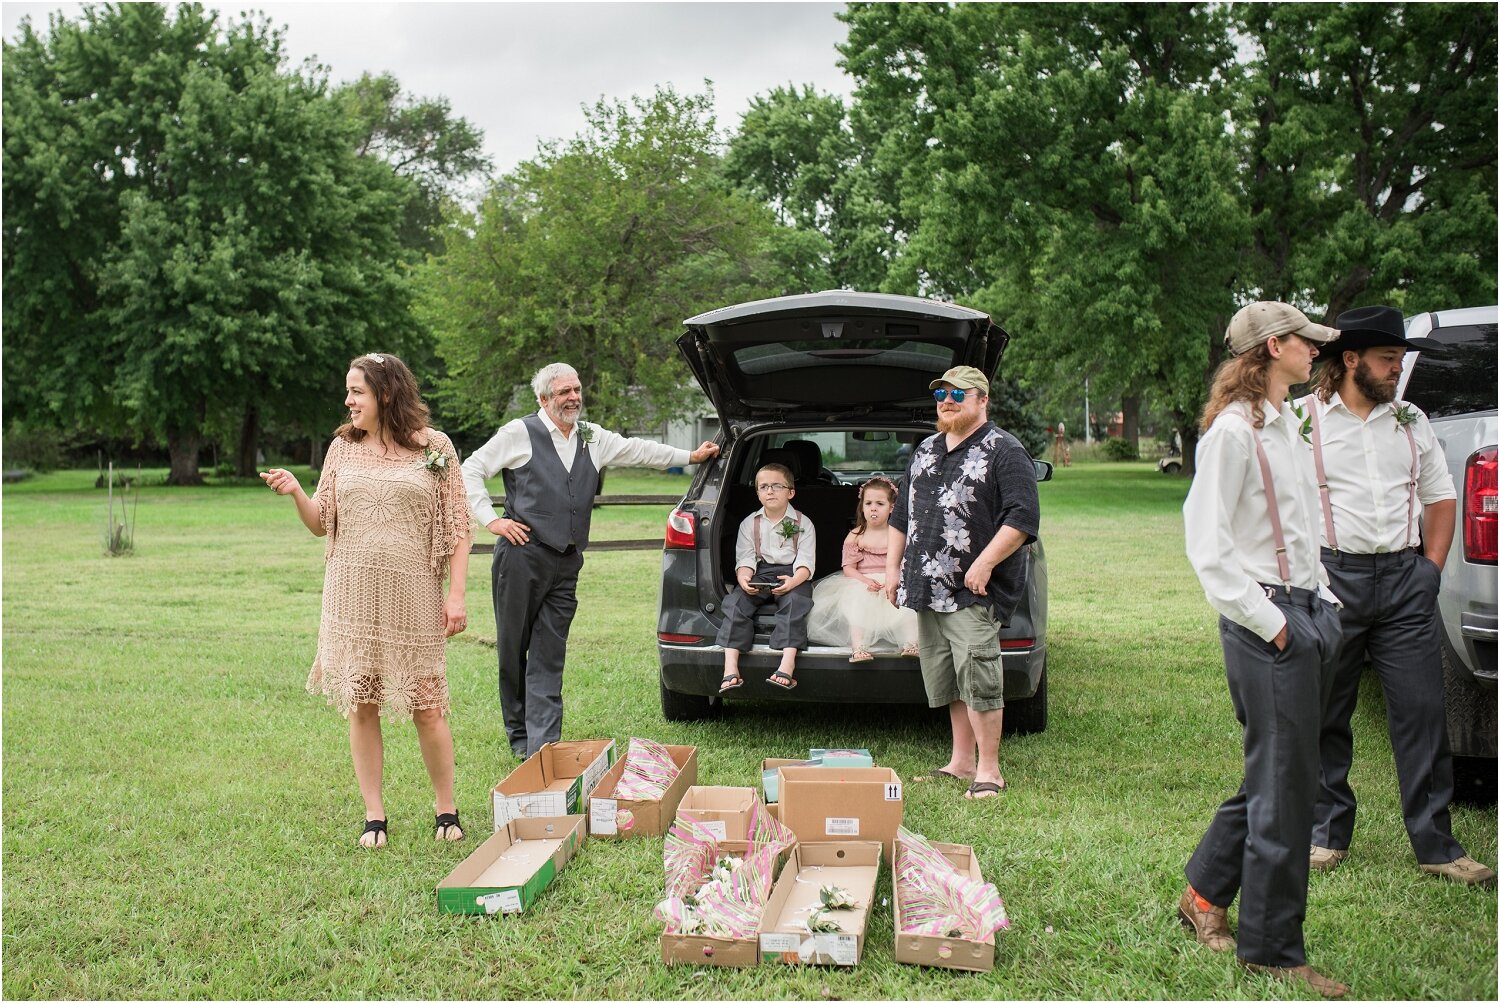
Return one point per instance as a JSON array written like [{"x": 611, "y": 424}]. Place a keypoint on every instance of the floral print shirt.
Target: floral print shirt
[{"x": 950, "y": 507}]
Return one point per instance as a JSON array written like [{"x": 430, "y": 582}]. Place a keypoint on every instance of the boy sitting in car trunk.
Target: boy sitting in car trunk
[{"x": 774, "y": 560}]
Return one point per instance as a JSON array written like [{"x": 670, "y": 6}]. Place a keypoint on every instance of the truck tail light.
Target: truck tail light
[
  {"x": 681, "y": 531},
  {"x": 1017, "y": 643},
  {"x": 1481, "y": 507}
]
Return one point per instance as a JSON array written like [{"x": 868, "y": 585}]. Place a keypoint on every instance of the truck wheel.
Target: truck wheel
[
  {"x": 687, "y": 706},
  {"x": 1029, "y": 716}
]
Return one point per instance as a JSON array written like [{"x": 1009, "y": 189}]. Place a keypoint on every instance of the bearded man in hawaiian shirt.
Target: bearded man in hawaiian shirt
[{"x": 968, "y": 507}]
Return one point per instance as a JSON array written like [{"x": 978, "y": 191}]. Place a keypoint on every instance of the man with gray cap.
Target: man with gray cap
[
  {"x": 968, "y": 506},
  {"x": 1251, "y": 520},
  {"x": 1379, "y": 468}
]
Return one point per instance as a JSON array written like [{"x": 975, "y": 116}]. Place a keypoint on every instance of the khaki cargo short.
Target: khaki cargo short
[{"x": 961, "y": 658}]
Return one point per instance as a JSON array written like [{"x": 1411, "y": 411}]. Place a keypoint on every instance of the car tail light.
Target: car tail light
[
  {"x": 681, "y": 531},
  {"x": 680, "y": 638},
  {"x": 1481, "y": 507},
  {"x": 1012, "y": 643}
]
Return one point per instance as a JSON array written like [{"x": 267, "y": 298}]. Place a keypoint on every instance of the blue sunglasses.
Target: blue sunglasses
[{"x": 942, "y": 395}]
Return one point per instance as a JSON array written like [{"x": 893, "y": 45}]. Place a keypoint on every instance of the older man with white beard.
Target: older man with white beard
[
  {"x": 968, "y": 506},
  {"x": 551, "y": 462}
]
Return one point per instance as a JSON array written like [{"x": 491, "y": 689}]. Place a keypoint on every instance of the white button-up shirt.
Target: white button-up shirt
[
  {"x": 799, "y": 552},
  {"x": 1368, "y": 465},
  {"x": 1229, "y": 539},
  {"x": 510, "y": 448}
]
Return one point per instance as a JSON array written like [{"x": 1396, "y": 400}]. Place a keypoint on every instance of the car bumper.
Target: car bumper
[{"x": 825, "y": 675}]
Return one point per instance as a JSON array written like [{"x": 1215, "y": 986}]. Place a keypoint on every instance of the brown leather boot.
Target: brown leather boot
[
  {"x": 1302, "y": 973},
  {"x": 1210, "y": 926}
]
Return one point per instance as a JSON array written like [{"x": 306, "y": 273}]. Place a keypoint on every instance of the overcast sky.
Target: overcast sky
[{"x": 521, "y": 71}]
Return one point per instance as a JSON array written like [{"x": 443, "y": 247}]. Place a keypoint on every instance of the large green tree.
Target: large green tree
[
  {"x": 191, "y": 241},
  {"x": 1069, "y": 168},
  {"x": 593, "y": 253},
  {"x": 1371, "y": 153}
]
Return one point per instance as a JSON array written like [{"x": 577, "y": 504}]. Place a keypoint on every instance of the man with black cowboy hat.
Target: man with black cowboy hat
[{"x": 1380, "y": 467}]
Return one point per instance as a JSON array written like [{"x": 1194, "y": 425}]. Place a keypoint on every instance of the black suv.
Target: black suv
[{"x": 834, "y": 385}]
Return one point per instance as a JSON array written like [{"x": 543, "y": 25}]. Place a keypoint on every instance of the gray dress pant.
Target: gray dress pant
[
  {"x": 535, "y": 591},
  {"x": 1256, "y": 847},
  {"x": 792, "y": 610},
  {"x": 1390, "y": 614}
]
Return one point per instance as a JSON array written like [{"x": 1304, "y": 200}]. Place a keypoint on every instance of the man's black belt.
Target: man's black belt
[{"x": 1345, "y": 559}]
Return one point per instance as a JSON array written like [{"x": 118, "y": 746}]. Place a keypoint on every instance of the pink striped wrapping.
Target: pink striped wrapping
[
  {"x": 649, "y": 771},
  {"x": 938, "y": 900}
]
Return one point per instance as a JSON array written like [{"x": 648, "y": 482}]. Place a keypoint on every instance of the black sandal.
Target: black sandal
[
  {"x": 376, "y": 825},
  {"x": 447, "y": 820}
]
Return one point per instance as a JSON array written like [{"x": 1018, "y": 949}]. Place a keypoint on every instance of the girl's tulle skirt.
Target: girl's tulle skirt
[{"x": 842, "y": 604}]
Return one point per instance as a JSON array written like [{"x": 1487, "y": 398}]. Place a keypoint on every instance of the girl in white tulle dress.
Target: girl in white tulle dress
[{"x": 851, "y": 608}]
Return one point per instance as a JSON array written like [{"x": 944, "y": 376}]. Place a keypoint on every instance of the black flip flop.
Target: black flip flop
[
  {"x": 447, "y": 820},
  {"x": 375, "y": 825},
  {"x": 790, "y": 683},
  {"x": 979, "y": 790},
  {"x": 733, "y": 682}
]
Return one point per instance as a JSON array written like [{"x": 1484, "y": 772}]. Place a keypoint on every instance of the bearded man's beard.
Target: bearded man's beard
[{"x": 1378, "y": 390}]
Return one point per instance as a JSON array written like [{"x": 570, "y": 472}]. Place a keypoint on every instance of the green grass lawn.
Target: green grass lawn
[{"x": 180, "y": 816}]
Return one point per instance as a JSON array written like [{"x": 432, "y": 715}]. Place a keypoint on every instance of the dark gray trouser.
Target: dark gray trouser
[
  {"x": 1257, "y": 844},
  {"x": 535, "y": 592},
  {"x": 1390, "y": 613},
  {"x": 738, "y": 629}
]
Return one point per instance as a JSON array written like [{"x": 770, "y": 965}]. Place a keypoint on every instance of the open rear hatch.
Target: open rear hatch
[{"x": 835, "y": 352}]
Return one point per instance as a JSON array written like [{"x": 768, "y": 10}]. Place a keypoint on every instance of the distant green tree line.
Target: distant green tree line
[{"x": 198, "y": 236}]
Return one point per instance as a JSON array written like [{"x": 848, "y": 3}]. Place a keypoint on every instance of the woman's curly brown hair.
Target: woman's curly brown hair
[
  {"x": 403, "y": 414},
  {"x": 1240, "y": 378}
]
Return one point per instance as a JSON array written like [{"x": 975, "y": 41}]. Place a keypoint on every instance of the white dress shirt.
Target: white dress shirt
[
  {"x": 800, "y": 552},
  {"x": 510, "y": 448},
  {"x": 1229, "y": 539},
  {"x": 1368, "y": 465}
]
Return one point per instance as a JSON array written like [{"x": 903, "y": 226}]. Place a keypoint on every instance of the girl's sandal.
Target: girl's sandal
[
  {"x": 911, "y": 651},
  {"x": 447, "y": 823},
  {"x": 860, "y": 655},
  {"x": 377, "y": 826}
]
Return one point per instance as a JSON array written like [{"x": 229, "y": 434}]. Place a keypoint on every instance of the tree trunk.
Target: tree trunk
[
  {"x": 1130, "y": 408},
  {"x": 244, "y": 460},
  {"x": 315, "y": 454},
  {"x": 1189, "y": 433},
  {"x": 183, "y": 447}
]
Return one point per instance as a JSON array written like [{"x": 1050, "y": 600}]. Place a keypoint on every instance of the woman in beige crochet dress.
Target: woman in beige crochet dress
[{"x": 391, "y": 503}]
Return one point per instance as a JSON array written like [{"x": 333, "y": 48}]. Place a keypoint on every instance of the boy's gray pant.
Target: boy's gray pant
[
  {"x": 792, "y": 610},
  {"x": 1257, "y": 845}
]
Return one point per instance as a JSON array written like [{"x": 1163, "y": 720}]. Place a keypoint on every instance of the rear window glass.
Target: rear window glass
[{"x": 1459, "y": 378}]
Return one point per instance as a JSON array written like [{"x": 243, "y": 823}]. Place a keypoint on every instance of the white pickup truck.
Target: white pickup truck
[{"x": 1454, "y": 382}]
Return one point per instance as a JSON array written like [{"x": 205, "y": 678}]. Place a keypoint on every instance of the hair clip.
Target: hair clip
[{"x": 377, "y": 357}]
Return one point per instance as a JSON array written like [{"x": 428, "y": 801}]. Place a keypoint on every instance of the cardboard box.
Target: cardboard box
[
  {"x": 647, "y": 818},
  {"x": 693, "y": 949},
  {"x": 944, "y": 952},
  {"x": 784, "y": 938},
  {"x": 770, "y": 779},
  {"x": 724, "y": 811},
  {"x": 509, "y": 870},
  {"x": 555, "y": 781},
  {"x": 820, "y": 804}
]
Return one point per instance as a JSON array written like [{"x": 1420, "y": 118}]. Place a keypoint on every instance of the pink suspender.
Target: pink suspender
[
  {"x": 1273, "y": 511},
  {"x": 1317, "y": 445},
  {"x": 796, "y": 539}
]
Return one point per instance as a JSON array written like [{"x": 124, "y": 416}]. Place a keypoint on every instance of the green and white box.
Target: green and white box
[
  {"x": 556, "y": 780},
  {"x": 511, "y": 868}
]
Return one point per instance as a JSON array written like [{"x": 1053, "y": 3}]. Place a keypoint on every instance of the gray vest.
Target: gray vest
[{"x": 555, "y": 502}]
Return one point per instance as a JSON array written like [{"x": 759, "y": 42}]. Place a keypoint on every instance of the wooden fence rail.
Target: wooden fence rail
[{"x": 653, "y": 543}]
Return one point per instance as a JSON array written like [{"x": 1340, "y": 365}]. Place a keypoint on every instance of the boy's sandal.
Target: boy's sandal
[
  {"x": 377, "y": 826},
  {"x": 782, "y": 680},
  {"x": 910, "y": 651},
  {"x": 733, "y": 682},
  {"x": 446, "y": 823},
  {"x": 860, "y": 655}
]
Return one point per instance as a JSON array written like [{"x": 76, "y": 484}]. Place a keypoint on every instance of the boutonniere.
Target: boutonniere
[
  {"x": 435, "y": 460},
  {"x": 789, "y": 528},
  {"x": 1306, "y": 419},
  {"x": 821, "y": 922},
  {"x": 1404, "y": 416},
  {"x": 585, "y": 432}
]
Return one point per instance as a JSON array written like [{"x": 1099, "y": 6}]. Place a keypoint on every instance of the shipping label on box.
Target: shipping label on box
[
  {"x": 942, "y": 952},
  {"x": 821, "y": 803},
  {"x": 784, "y": 937},
  {"x": 622, "y": 818},
  {"x": 507, "y": 872},
  {"x": 556, "y": 780}
]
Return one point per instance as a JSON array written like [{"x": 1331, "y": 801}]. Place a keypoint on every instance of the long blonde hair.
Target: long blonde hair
[{"x": 1240, "y": 378}]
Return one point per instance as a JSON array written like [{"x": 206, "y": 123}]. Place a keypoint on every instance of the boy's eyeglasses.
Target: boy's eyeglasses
[
  {"x": 942, "y": 395},
  {"x": 773, "y": 488}
]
